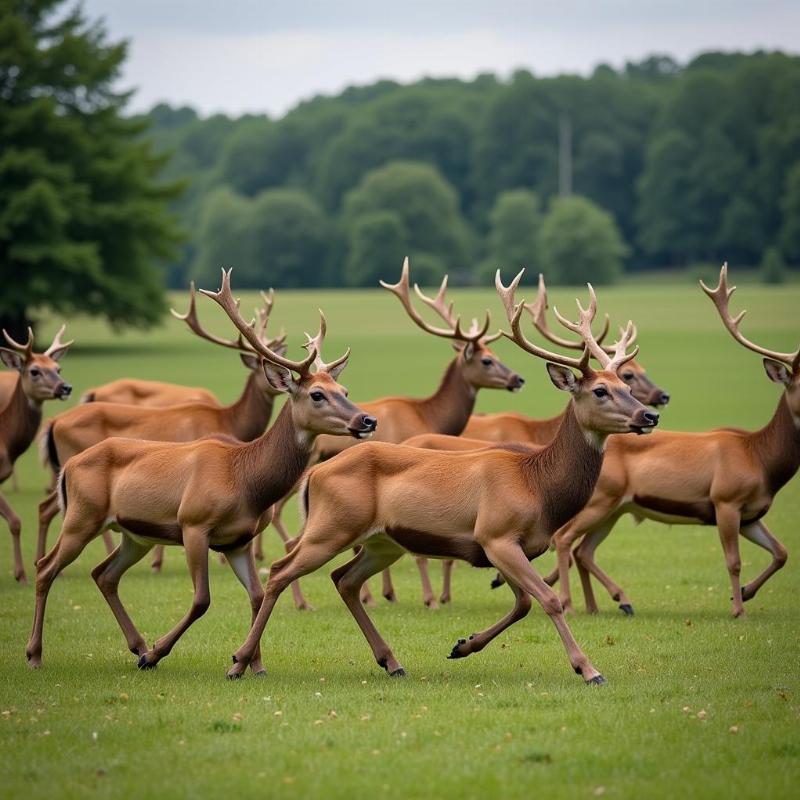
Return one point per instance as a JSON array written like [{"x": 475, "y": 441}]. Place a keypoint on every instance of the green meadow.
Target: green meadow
[{"x": 697, "y": 704}]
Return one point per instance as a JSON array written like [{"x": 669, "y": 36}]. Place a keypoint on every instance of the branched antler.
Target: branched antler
[
  {"x": 230, "y": 306},
  {"x": 315, "y": 343},
  {"x": 721, "y": 297},
  {"x": 57, "y": 343},
  {"x": 402, "y": 290},
  {"x": 193, "y": 323},
  {"x": 25, "y": 350}
]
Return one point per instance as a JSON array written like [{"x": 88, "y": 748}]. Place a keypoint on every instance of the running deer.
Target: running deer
[
  {"x": 726, "y": 477},
  {"x": 38, "y": 379},
  {"x": 498, "y": 507},
  {"x": 89, "y": 423},
  {"x": 207, "y": 494},
  {"x": 511, "y": 427},
  {"x": 474, "y": 367}
]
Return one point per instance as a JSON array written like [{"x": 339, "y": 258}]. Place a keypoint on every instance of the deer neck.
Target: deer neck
[
  {"x": 449, "y": 408},
  {"x": 270, "y": 466},
  {"x": 249, "y": 416},
  {"x": 777, "y": 446},
  {"x": 563, "y": 474},
  {"x": 19, "y": 421},
  {"x": 543, "y": 431}
]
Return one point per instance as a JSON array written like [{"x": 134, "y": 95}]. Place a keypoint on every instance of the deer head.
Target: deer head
[
  {"x": 319, "y": 403},
  {"x": 782, "y": 368},
  {"x": 40, "y": 373},
  {"x": 480, "y": 367},
  {"x": 632, "y": 372},
  {"x": 603, "y": 402}
]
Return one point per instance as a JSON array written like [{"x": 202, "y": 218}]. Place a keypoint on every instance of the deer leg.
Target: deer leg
[
  {"x": 308, "y": 555},
  {"x": 477, "y": 641},
  {"x": 243, "y": 565},
  {"x": 14, "y": 482},
  {"x": 108, "y": 541},
  {"x": 447, "y": 579},
  {"x": 508, "y": 557},
  {"x": 728, "y": 523},
  {"x": 584, "y": 560},
  {"x": 427, "y": 590},
  {"x": 107, "y": 575},
  {"x": 158, "y": 558},
  {"x": 378, "y": 552},
  {"x": 15, "y": 526},
  {"x": 387, "y": 589},
  {"x": 366, "y": 595},
  {"x": 300, "y": 602},
  {"x": 68, "y": 547},
  {"x": 758, "y": 533},
  {"x": 48, "y": 509},
  {"x": 195, "y": 543}
]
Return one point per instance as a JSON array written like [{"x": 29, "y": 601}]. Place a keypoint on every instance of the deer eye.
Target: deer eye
[
  {"x": 600, "y": 391},
  {"x": 487, "y": 362},
  {"x": 317, "y": 396},
  {"x": 34, "y": 373},
  {"x": 628, "y": 376}
]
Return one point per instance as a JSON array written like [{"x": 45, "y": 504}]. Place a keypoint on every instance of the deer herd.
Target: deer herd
[{"x": 160, "y": 464}]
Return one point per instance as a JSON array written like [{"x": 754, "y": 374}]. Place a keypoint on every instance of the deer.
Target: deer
[
  {"x": 474, "y": 367},
  {"x": 726, "y": 478},
  {"x": 157, "y": 394},
  {"x": 496, "y": 507},
  {"x": 513, "y": 427},
  {"x": 209, "y": 494},
  {"x": 88, "y": 423},
  {"x": 38, "y": 378}
]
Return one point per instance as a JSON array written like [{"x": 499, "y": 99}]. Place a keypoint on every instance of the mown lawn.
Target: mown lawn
[{"x": 697, "y": 704}]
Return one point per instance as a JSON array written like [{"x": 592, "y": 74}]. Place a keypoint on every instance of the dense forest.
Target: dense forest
[{"x": 654, "y": 165}]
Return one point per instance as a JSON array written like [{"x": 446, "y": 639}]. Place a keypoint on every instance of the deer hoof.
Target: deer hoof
[
  {"x": 496, "y": 583},
  {"x": 261, "y": 673},
  {"x": 145, "y": 664},
  {"x": 398, "y": 673},
  {"x": 391, "y": 597},
  {"x": 626, "y": 609},
  {"x": 747, "y": 594},
  {"x": 456, "y": 651},
  {"x": 598, "y": 680}
]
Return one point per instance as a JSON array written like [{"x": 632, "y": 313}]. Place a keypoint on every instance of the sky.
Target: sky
[{"x": 262, "y": 56}]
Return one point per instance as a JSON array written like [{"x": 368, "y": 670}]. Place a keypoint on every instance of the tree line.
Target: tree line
[
  {"x": 670, "y": 164},
  {"x": 653, "y": 165}
]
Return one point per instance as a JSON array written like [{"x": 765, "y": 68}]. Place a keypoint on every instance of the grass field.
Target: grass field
[{"x": 515, "y": 720}]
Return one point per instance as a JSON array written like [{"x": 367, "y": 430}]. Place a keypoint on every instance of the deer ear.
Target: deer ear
[
  {"x": 11, "y": 359},
  {"x": 468, "y": 351},
  {"x": 280, "y": 378},
  {"x": 58, "y": 354},
  {"x": 249, "y": 360},
  {"x": 563, "y": 378},
  {"x": 777, "y": 372}
]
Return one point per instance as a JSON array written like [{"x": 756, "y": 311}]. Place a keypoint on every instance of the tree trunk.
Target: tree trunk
[{"x": 16, "y": 325}]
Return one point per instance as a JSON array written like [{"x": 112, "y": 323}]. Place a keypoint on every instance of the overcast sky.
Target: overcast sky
[{"x": 263, "y": 56}]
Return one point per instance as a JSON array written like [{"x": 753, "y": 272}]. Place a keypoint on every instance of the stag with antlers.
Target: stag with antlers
[
  {"x": 496, "y": 507},
  {"x": 39, "y": 379},
  {"x": 474, "y": 367},
  {"x": 726, "y": 478},
  {"x": 208, "y": 494},
  {"x": 89, "y": 423}
]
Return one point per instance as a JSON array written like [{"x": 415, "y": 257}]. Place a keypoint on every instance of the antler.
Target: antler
[
  {"x": 720, "y": 297},
  {"x": 26, "y": 349},
  {"x": 514, "y": 315},
  {"x": 315, "y": 343},
  {"x": 192, "y": 321},
  {"x": 538, "y": 308},
  {"x": 610, "y": 359},
  {"x": 57, "y": 343},
  {"x": 402, "y": 290},
  {"x": 230, "y": 306}
]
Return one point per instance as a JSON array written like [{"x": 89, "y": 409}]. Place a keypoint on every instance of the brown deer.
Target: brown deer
[
  {"x": 89, "y": 423},
  {"x": 38, "y": 379},
  {"x": 725, "y": 477},
  {"x": 207, "y": 494},
  {"x": 511, "y": 427},
  {"x": 497, "y": 507},
  {"x": 474, "y": 367},
  {"x": 157, "y": 394}
]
